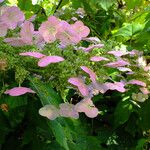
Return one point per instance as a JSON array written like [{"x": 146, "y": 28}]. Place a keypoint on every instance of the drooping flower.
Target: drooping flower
[
  {"x": 43, "y": 62},
  {"x": 17, "y": 91},
  {"x": 67, "y": 35},
  {"x": 118, "y": 63},
  {"x": 81, "y": 29},
  {"x": 137, "y": 82},
  {"x": 90, "y": 72},
  {"x": 68, "y": 110},
  {"x": 49, "y": 28},
  {"x": 26, "y": 34},
  {"x": 98, "y": 58},
  {"x": 12, "y": 17},
  {"x": 87, "y": 106},
  {"x": 49, "y": 111},
  {"x": 82, "y": 87}
]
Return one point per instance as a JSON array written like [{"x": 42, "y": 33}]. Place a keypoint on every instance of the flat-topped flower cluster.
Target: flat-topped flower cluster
[{"x": 53, "y": 30}]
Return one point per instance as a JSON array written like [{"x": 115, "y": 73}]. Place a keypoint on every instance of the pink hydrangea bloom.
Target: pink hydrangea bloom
[
  {"x": 98, "y": 58},
  {"x": 119, "y": 86},
  {"x": 118, "y": 53},
  {"x": 17, "y": 91},
  {"x": 81, "y": 29},
  {"x": 118, "y": 63},
  {"x": 137, "y": 82},
  {"x": 43, "y": 62},
  {"x": 12, "y": 17},
  {"x": 49, "y": 111},
  {"x": 87, "y": 106},
  {"x": 67, "y": 35},
  {"x": 83, "y": 88},
  {"x": 88, "y": 49},
  {"x": 90, "y": 72},
  {"x": 49, "y": 29},
  {"x": 26, "y": 32},
  {"x": 32, "y": 54},
  {"x": 68, "y": 110}
]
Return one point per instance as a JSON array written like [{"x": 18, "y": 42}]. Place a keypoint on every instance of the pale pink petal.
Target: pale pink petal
[
  {"x": 137, "y": 82},
  {"x": 124, "y": 69},
  {"x": 94, "y": 40},
  {"x": 12, "y": 17},
  {"x": 43, "y": 62},
  {"x": 118, "y": 53},
  {"x": 80, "y": 84},
  {"x": 92, "y": 47},
  {"x": 49, "y": 111},
  {"x": 15, "y": 41},
  {"x": 90, "y": 72},
  {"x": 118, "y": 63},
  {"x": 145, "y": 90},
  {"x": 68, "y": 110},
  {"x": 26, "y": 32},
  {"x": 17, "y": 91},
  {"x": 87, "y": 106},
  {"x": 81, "y": 29},
  {"x": 98, "y": 58},
  {"x": 33, "y": 54}
]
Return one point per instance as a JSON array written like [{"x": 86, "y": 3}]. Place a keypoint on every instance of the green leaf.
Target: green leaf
[
  {"x": 128, "y": 30},
  {"x": 106, "y": 4},
  {"x": 131, "y": 4},
  {"x": 122, "y": 112},
  {"x": 25, "y": 4},
  {"x": 48, "y": 96}
]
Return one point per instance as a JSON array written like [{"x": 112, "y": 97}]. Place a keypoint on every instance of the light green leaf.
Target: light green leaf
[{"x": 106, "y": 4}]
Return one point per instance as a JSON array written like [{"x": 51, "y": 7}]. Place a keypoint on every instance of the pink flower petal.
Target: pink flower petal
[
  {"x": 68, "y": 110},
  {"x": 87, "y": 106},
  {"x": 92, "y": 47},
  {"x": 118, "y": 63},
  {"x": 98, "y": 58},
  {"x": 15, "y": 41},
  {"x": 43, "y": 62},
  {"x": 137, "y": 82},
  {"x": 80, "y": 84},
  {"x": 17, "y": 91},
  {"x": 90, "y": 72},
  {"x": 26, "y": 32},
  {"x": 145, "y": 90},
  {"x": 124, "y": 69},
  {"x": 49, "y": 111},
  {"x": 3, "y": 29},
  {"x": 94, "y": 40},
  {"x": 33, "y": 54},
  {"x": 118, "y": 53}
]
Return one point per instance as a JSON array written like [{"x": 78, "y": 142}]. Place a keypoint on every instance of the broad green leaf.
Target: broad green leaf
[
  {"x": 106, "y": 4},
  {"x": 48, "y": 96},
  {"x": 25, "y": 5},
  {"x": 131, "y": 4},
  {"x": 128, "y": 30},
  {"x": 122, "y": 112}
]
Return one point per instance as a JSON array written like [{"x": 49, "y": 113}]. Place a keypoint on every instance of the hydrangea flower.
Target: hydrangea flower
[
  {"x": 49, "y": 29},
  {"x": 3, "y": 29},
  {"x": 83, "y": 88},
  {"x": 90, "y": 72},
  {"x": 87, "y": 106},
  {"x": 137, "y": 82},
  {"x": 12, "y": 17},
  {"x": 44, "y": 60},
  {"x": 81, "y": 29},
  {"x": 98, "y": 58},
  {"x": 17, "y": 91},
  {"x": 144, "y": 90},
  {"x": 118, "y": 63},
  {"x": 118, "y": 53},
  {"x": 49, "y": 111},
  {"x": 68, "y": 110},
  {"x": 67, "y": 35}
]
